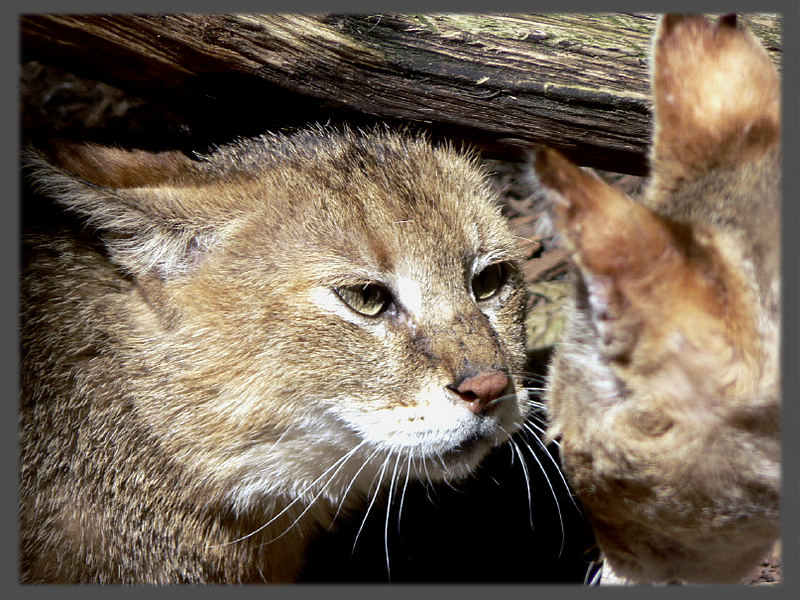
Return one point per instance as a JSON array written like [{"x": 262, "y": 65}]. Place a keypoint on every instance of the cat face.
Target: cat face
[{"x": 316, "y": 300}]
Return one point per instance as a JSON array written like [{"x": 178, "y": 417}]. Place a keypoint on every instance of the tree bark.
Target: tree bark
[{"x": 501, "y": 82}]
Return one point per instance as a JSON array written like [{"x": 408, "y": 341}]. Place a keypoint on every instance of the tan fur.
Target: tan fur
[
  {"x": 188, "y": 374},
  {"x": 665, "y": 391}
]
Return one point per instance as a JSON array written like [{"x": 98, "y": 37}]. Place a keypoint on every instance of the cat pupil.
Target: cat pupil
[
  {"x": 371, "y": 295},
  {"x": 369, "y": 299},
  {"x": 488, "y": 282}
]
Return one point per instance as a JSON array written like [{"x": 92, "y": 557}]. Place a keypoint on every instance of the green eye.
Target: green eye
[
  {"x": 489, "y": 281},
  {"x": 369, "y": 299}
]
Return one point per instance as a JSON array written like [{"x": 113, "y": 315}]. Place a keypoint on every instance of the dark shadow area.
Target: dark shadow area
[{"x": 481, "y": 531}]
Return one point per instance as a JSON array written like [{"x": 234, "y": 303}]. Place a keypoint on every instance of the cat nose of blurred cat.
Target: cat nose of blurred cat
[{"x": 480, "y": 391}]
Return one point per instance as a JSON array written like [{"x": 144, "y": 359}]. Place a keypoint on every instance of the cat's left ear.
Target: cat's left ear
[
  {"x": 642, "y": 271},
  {"x": 613, "y": 240}
]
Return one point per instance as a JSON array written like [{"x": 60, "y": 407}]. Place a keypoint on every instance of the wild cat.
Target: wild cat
[
  {"x": 665, "y": 393},
  {"x": 221, "y": 353}
]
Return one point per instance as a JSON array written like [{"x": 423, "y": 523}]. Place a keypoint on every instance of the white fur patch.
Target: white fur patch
[{"x": 409, "y": 294}]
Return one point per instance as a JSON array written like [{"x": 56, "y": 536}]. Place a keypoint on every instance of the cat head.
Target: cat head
[{"x": 306, "y": 295}]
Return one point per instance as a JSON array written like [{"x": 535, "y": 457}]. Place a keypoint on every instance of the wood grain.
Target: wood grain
[{"x": 500, "y": 82}]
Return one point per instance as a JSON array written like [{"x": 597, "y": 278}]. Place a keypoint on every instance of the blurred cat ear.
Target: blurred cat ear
[
  {"x": 644, "y": 274},
  {"x": 145, "y": 205},
  {"x": 716, "y": 97},
  {"x": 609, "y": 234},
  {"x": 613, "y": 240}
]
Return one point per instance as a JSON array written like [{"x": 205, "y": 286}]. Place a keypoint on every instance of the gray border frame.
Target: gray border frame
[{"x": 791, "y": 269}]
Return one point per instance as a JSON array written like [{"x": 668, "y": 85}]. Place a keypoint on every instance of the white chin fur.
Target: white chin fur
[
  {"x": 433, "y": 423},
  {"x": 435, "y": 440}
]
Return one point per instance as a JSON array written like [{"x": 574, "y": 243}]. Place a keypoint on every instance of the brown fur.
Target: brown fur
[
  {"x": 665, "y": 391},
  {"x": 188, "y": 374}
]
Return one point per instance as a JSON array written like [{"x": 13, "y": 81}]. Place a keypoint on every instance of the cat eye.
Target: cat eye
[
  {"x": 489, "y": 281},
  {"x": 368, "y": 299}
]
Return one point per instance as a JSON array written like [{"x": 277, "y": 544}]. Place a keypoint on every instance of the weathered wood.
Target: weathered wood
[{"x": 501, "y": 82}]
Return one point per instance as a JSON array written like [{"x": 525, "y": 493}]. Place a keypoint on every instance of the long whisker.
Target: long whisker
[
  {"x": 428, "y": 481},
  {"x": 530, "y": 426},
  {"x": 336, "y": 465},
  {"x": 444, "y": 472},
  {"x": 388, "y": 509},
  {"x": 540, "y": 406},
  {"x": 403, "y": 493},
  {"x": 552, "y": 491},
  {"x": 527, "y": 479},
  {"x": 316, "y": 496},
  {"x": 350, "y": 485},
  {"x": 526, "y": 427},
  {"x": 532, "y": 375},
  {"x": 378, "y": 475}
]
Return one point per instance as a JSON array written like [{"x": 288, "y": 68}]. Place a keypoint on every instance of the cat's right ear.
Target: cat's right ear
[
  {"x": 596, "y": 221},
  {"x": 614, "y": 241},
  {"x": 145, "y": 205}
]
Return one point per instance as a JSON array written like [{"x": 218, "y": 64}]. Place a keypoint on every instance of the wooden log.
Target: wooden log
[{"x": 501, "y": 82}]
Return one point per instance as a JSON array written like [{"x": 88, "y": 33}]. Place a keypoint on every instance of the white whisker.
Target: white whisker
[
  {"x": 388, "y": 510},
  {"x": 526, "y": 427},
  {"x": 428, "y": 481},
  {"x": 379, "y": 476},
  {"x": 527, "y": 479},
  {"x": 403, "y": 493},
  {"x": 299, "y": 497},
  {"x": 350, "y": 485},
  {"x": 318, "y": 494},
  {"x": 552, "y": 491}
]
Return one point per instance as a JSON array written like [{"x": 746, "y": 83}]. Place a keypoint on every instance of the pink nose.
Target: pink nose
[{"x": 482, "y": 389}]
